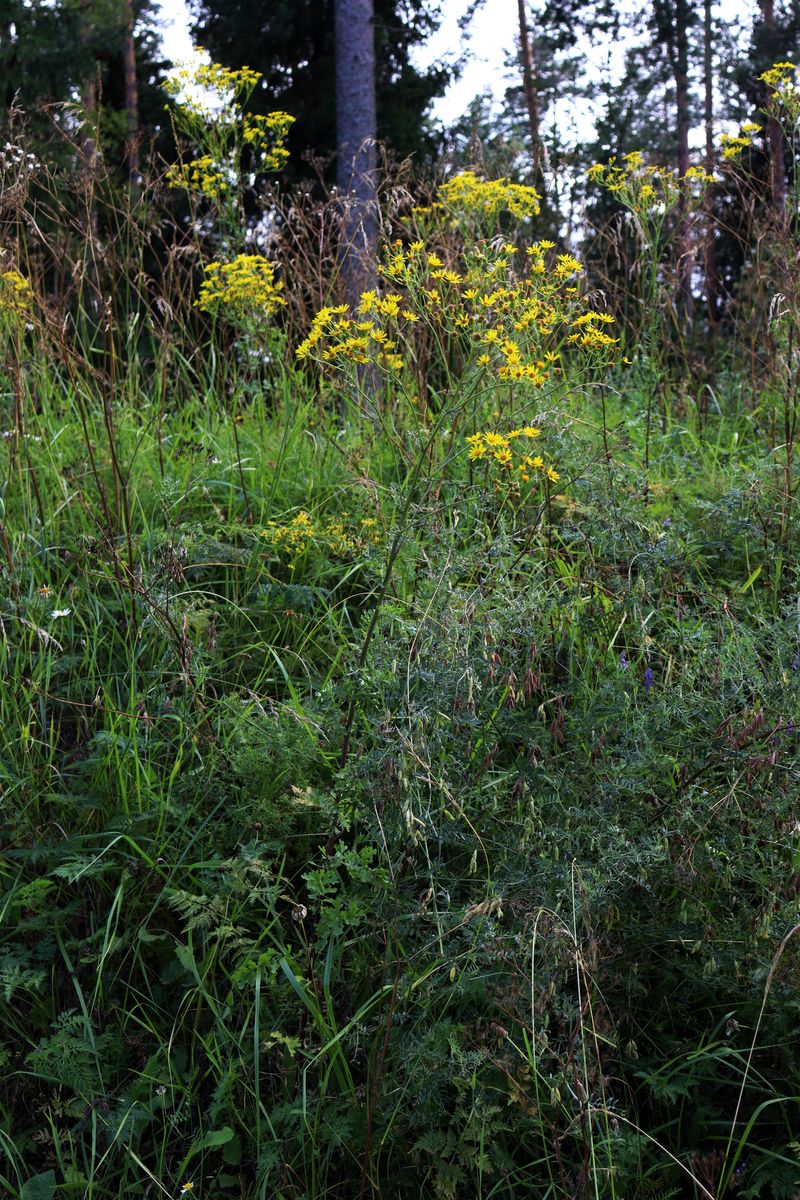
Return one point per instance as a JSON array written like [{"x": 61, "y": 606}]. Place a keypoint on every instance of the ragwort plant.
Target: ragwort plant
[
  {"x": 390, "y": 813},
  {"x": 478, "y": 328},
  {"x": 765, "y": 309},
  {"x": 659, "y": 206},
  {"x": 779, "y": 276},
  {"x": 228, "y": 148}
]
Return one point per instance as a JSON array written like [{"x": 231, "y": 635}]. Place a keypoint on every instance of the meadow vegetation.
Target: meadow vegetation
[{"x": 399, "y": 707}]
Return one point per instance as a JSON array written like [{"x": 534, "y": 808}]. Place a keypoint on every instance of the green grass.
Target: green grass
[
  {"x": 517, "y": 944},
  {"x": 450, "y": 851}
]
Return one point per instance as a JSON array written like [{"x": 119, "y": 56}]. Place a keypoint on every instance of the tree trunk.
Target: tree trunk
[
  {"x": 529, "y": 81},
  {"x": 131, "y": 92},
  {"x": 775, "y": 137},
  {"x": 675, "y": 17},
  {"x": 356, "y": 130},
  {"x": 681, "y": 75},
  {"x": 710, "y": 248}
]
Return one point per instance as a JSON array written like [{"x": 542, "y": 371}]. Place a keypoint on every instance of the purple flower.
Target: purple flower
[
  {"x": 623, "y": 661},
  {"x": 796, "y": 662},
  {"x": 667, "y": 522},
  {"x": 648, "y": 679}
]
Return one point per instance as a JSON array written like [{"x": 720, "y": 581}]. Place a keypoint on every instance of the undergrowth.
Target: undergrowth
[{"x": 373, "y": 826}]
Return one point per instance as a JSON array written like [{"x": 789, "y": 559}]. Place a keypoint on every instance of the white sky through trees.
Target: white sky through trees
[{"x": 490, "y": 39}]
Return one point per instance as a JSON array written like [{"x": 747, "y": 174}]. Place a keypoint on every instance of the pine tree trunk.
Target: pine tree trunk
[
  {"x": 529, "y": 87},
  {"x": 356, "y": 129},
  {"x": 710, "y": 248},
  {"x": 131, "y": 91},
  {"x": 775, "y": 137},
  {"x": 681, "y": 76}
]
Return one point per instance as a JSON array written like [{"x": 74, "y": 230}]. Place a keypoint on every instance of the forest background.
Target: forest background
[{"x": 399, "y": 619}]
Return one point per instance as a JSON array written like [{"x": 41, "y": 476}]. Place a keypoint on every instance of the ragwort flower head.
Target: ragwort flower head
[
  {"x": 303, "y": 531},
  {"x": 646, "y": 190},
  {"x": 508, "y": 455},
  {"x": 784, "y": 99},
  {"x": 779, "y": 77},
  {"x": 468, "y": 193},
  {"x": 208, "y": 91},
  {"x": 16, "y": 296},
  {"x": 508, "y": 319},
  {"x": 264, "y": 134},
  {"x": 202, "y": 176},
  {"x": 209, "y": 107},
  {"x": 734, "y": 144},
  {"x": 242, "y": 290}
]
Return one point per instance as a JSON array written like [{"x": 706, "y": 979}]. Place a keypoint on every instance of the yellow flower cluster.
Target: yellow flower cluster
[
  {"x": 349, "y": 339},
  {"x": 214, "y": 77},
  {"x": 511, "y": 452},
  {"x": 646, "y": 189},
  {"x": 588, "y": 334},
  {"x": 332, "y": 535},
  {"x": 734, "y": 144},
  {"x": 202, "y": 89},
  {"x": 242, "y": 289},
  {"x": 780, "y": 77},
  {"x": 202, "y": 177},
  {"x": 264, "y": 134},
  {"x": 516, "y": 324},
  {"x": 522, "y": 322},
  {"x": 209, "y": 104},
  {"x": 16, "y": 294},
  {"x": 468, "y": 193}
]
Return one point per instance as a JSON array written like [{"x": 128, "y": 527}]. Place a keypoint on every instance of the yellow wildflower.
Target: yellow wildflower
[
  {"x": 496, "y": 440},
  {"x": 240, "y": 289},
  {"x": 468, "y": 193}
]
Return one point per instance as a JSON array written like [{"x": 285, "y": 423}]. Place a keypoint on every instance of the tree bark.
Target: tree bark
[
  {"x": 677, "y": 34},
  {"x": 775, "y": 137},
  {"x": 529, "y": 82},
  {"x": 710, "y": 248},
  {"x": 682, "y": 113},
  {"x": 131, "y": 91},
  {"x": 356, "y": 130}
]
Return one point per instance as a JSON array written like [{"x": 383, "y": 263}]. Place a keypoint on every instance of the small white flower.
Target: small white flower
[{"x": 60, "y": 612}]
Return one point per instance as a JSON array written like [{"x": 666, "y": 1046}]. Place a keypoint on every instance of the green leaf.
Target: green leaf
[
  {"x": 39, "y": 1187},
  {"x": 186, "y": 959},
  {"x": 215, "y": 1137},
  {"x": 232, "y": 1154},
  {"x": 749, "y": 583}
]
